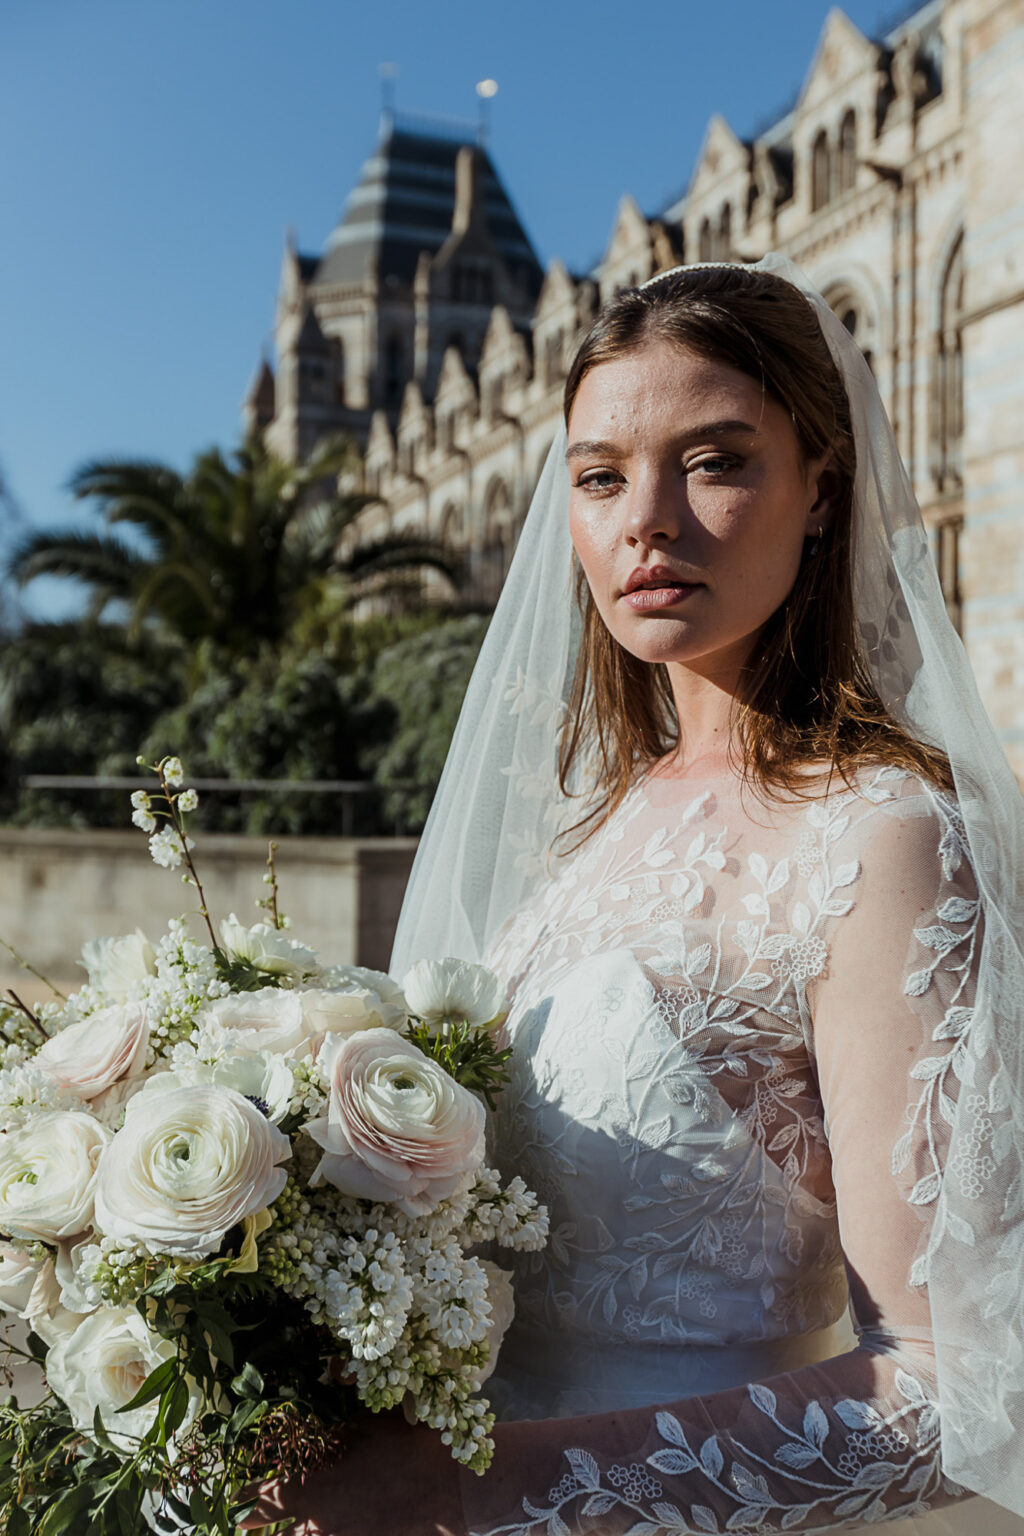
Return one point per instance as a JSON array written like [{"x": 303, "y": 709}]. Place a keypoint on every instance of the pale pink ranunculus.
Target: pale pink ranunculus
[
  {"x": 90, "y": 1056},
  {"x": 398, "y": 1128}
]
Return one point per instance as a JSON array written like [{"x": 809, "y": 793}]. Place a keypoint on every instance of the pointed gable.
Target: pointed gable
[
  {"x": 380, "y": 445},
  {"x": 557, "y": 292},
  {"x": 454, "y": 385},
  {"x": 629, "y": 232},
  {"x": 842, "y": 51},
  {"x": 722, "y": 154}
]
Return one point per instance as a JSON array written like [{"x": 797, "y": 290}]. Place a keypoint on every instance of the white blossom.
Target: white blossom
[{"x": 165, "y": 848}]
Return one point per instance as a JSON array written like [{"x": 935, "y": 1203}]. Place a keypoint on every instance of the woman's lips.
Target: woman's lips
[{"x": 648, "y": 599}]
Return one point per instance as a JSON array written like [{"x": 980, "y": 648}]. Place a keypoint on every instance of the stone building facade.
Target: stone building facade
[{"x": 895, "y": 181}]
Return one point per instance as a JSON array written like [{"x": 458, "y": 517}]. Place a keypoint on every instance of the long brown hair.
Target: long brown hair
[{"x": 809, "y": 707}]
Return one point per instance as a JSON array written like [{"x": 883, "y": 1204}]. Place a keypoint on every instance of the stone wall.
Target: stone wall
[{"x": 58, "y": 889}]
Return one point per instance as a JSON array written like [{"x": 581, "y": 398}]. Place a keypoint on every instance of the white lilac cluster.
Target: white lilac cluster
[
  {"x": 421, "y": 1316},
  {"x": 160, "y": 1122}
]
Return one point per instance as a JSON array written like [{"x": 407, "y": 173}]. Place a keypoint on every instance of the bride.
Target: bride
[{"x": 740, "y": 838}]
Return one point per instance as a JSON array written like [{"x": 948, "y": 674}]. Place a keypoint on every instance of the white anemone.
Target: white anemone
[{"x": 454, "y": 991}]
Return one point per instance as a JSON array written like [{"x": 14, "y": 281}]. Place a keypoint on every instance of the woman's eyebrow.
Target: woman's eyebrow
[{"x": 590, "y": 446}]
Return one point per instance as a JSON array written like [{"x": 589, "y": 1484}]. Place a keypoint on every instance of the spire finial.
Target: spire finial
[
  {"x": 388, "y": 73},
  {"x": 485, "y": 90}
]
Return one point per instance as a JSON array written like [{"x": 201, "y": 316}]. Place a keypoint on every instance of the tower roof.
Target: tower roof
[{"x": 403, "y": 205}]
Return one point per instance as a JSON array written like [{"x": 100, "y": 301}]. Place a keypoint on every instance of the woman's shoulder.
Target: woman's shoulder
[{"x": 901, "y": 826}]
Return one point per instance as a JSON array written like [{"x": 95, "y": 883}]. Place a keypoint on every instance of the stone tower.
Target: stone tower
[{"x": 428, "y": 244}]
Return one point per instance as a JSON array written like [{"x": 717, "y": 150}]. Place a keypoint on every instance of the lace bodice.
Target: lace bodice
[{"x": 735, "y": 1035}]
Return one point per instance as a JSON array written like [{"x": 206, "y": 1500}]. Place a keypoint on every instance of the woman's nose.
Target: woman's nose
[{"x": 655, "y": 509}]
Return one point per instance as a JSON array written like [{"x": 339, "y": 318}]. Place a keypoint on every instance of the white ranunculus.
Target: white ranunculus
[
  {"x": 501, "y": 1295},
  {"x": 259, "y": 1076},
  {"x": 391, "y": 1004},
  {"x": 267, "y": 948},
  {"x": 188, "y": 1164},
  {"x": 102, "y": 1364},
  {"x": 116, "y": 966},
  {"x": 48, "y": 1171},
  {"x": 18, "y": 1274},
  {"x": 454, "y": 990},
  {"x": 105, "y": 1048},
  {"x": 398, "y": 1127},
  {"x": 347, "y": 1009},
  {"x": 266, "y": 1020}
]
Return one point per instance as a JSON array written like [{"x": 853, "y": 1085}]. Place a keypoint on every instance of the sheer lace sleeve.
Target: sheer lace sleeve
[{"x": 856, "y": 1438}]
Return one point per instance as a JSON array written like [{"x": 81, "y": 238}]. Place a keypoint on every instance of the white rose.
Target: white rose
[
  {"x": 18, "y": 1274},
  {"x": 91, "y": 1056},
  {"x": 502, "y": 1299},
  {"x": 397, "y": 1127},
  {"x": 116, "y": 966},
  {"x": 102, "y": 1364},
  {"x": 266, "y": 1020},
  {"x": 189, "y": 1164},
  {"x": 456, "y": 991},
  {"x": 267, "y": 948},
  {"x": 259, "y": 1076},
  {"x": 48, "y": 1170}
]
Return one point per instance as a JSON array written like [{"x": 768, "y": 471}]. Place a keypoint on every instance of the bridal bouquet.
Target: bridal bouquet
[{"x": 240, "y": 1194}]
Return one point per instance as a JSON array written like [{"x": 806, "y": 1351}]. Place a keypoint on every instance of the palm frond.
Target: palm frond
[
  {"x": 100, "y": 559},
  {"x": 404, "y": 552}
]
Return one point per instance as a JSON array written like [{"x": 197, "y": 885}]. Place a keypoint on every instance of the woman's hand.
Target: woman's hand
[{"x": 394, "y": 1477}]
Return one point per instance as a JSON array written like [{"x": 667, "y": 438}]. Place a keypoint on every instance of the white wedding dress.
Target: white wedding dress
[{"x": 736, "y": 1035}]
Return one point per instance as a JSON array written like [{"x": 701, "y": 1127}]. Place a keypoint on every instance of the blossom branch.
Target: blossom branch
[{"x": 27, "y": 966}]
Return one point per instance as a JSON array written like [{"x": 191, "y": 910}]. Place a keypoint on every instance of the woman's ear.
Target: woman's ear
[{"x": 823, "y": 486}]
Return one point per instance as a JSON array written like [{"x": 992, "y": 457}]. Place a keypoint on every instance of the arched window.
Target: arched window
[
  {"x": 394, "y": 359},
  {"x": 821, "y": 172},
  {"x": 451, "y": 526},
  {"x": 725, "y": 233},
  {"x": 338, "y": 369},
  {"x": 948, "y": 380},
  {"x": 704, "y": 247},
  {"x": 848, "y": 152}
]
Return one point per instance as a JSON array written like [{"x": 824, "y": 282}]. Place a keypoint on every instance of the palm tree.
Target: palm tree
[{"x": 232, "y": 552}]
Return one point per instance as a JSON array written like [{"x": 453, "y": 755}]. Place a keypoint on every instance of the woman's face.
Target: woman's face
[{"x": 689, "y": 506}]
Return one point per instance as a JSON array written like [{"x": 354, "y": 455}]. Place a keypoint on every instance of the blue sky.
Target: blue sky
[{"x": 153, "y": 155}]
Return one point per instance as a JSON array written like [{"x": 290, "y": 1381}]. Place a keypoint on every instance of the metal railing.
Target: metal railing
[{"x": 347, "y": 789}]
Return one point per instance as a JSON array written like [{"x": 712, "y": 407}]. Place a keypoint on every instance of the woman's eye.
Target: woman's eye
[
  {"x": 715, "y": 464},
  {"x": 598, "y": 480}
]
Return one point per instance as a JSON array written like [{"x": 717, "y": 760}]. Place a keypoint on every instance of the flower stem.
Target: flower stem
[
  {"x": 270, "y": 902},
  {"x": 27, "y": 1011},
  {"x": 26, "y": 966},
  {"x": 179, "y": 827}
]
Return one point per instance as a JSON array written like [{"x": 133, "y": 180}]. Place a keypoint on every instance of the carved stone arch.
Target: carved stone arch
[
  {"x": 453, "y": 525},
  {"x": 499, "y": 534},
  {"x": 946, "y": 423},
  {"x": 852, "y": 296},
  {"x": 846, "y": 156},
  {"x": 705, "y": 241},
  {"x": 821, "y": 171},
  {"x": 725, "y": 232}
]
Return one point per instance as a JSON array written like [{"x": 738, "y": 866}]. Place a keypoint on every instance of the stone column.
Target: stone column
[{"x": 993, "y": 540}]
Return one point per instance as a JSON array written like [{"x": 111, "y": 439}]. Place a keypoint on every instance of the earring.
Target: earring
[{"x": 819, "y": 535}]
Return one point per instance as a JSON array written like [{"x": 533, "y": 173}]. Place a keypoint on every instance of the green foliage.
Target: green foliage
[
  {"x": 421, "y": 681},
  {"x": 78, "y": 698},
  {"x": 467, "y": 1053},
  {"x": 224, "y": 621}
]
